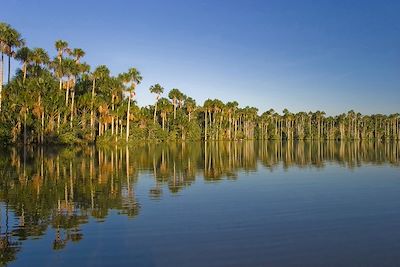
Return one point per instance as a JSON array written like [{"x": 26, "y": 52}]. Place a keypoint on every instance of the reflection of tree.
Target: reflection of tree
[
  {"x": 62, "y": 188},
  {"x": 8, "y": 246},
  {"x": 317, "y": 154}
]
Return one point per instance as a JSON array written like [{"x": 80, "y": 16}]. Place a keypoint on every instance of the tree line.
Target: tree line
[{"x": 61, "y": 99}]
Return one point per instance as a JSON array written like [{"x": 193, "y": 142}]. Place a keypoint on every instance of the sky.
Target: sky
[{"x": 301, "y": 55}]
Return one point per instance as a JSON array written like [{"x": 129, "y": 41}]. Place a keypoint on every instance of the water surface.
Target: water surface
[{"x": 196, "y": 204}]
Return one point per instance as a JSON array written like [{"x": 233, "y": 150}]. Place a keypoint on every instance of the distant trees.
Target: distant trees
[{"x": 62, "y": 100}]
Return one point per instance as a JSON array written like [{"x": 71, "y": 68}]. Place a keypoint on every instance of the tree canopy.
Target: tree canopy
[{"x": 58, "y": 98}]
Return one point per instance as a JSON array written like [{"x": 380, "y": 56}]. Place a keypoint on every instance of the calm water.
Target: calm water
[{"x": 220, "y": 204}]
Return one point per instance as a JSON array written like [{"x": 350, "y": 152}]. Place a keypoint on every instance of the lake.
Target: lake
[{"x": 202, "y": 204}]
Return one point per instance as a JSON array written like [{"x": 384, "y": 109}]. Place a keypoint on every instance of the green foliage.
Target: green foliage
[{"x": 58, "y": 100}]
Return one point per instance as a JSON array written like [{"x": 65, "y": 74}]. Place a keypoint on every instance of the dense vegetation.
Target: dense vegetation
[{"x": 63, "y": 100}]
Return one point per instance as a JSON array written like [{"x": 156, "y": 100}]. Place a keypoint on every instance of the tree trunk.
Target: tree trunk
[
  {"x": 25, "y": 132},
  {"x": 163, "y": 121},
  {"x": 174, "y": 108},
  {"x": 9, "y": 70},
  {"x": 155, "y": 112},
  {"x": 116, "y": 128},
  {"x": 112, "y": 116},
  {"x": 72, "y": 106},
  {"x": 58, "y": 122},
  {"x": 230, "y": 126},
  {"x": 128, "y": 118},
  {"x": 205, "y": 127},
  {"x": 1, "y": 77},
  {"x": 24, "y": 69},
  {"x": 67, "y": 95},
  {"x": 92, "y": 111},
  {"x": 42, "y": 132}
]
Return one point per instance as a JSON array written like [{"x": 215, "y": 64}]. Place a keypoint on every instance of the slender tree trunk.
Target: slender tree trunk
[
  {"x": 58, "y": 122},
  {"x": 128, "y": 118},
  {"x": 72, "y": 106},
  {"x": 9, "y": 70},
  {"x": 67, "y": 95},
  {"x": 25, "y": 130},
  {"x": 205, "y": 127},
  {"x": 92, "y": 110},
  {"x": 163, "y": 121},
  {"x": 1, "y": 77},
  {"x": 100, "y": 128},
  {"x": 230, "y": 126},
  {"x": 112, "y": 117},
  {"x": 174, "y": 108},
  {"x": 24, "y": 69},
  {"x": 155, "y": 112},
  {"x": 116, "y": 128},
  {"x": 42, "y": 132},
  {"x": 60, "y": 62}
]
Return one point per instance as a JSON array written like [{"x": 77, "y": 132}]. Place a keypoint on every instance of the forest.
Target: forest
[{"x": 57, "y": 98}]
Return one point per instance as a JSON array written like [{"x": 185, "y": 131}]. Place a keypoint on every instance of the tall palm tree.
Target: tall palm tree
[
  {"x": 165, "y": 107},
  {"x": 61, "y": 47},
  {"x": 25, "y": 56},
  {"x": 158, "y": 90},
  {"x": 100, "y": 73},
  {"x": 116, "y": 88},
  {"x": 39, "y": 57},
  {"x": 132, "y": 78},
  {"x": 207, "y": 107},
  {"x": 190, "y": 105},
  {"x": 77, "y": 53},
  {"x": 174, "y": 95},
  {"x": 9, "y": 39}
]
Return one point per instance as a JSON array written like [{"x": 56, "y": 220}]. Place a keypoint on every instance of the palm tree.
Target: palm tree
[
  {"x": 158, "y": 90},
  {"x": 39, "y": 57},
  {"x": 190, "y": 105},
  {"x": 116, "y": 88},
  {"x": 132, "y": 78},
  {"x": 165, "y": 107},
  {"x": 24, "y": 55},
  {"x": 100, "y": 73},
  {"x": 231, "y": 108},
  {"x": 62, "y": 47},
  {"x": 9, "y": 39},
  {"x": 207, "y": 106},
  {"x": 174, "y": 95},
  {"x": 77, "y": 71},
  {"x": 77, "y": 53}
]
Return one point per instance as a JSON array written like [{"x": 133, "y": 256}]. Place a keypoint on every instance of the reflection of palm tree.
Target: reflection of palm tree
[
  {"x": 156, "y": 191},
  {"x": 59, "y": 243},
  {"x": 8, "y": 247},
  {"x": 64, "y": 201}
]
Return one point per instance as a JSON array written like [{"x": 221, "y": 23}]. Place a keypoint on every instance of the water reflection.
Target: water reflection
[{"x": 63, "y": 188}]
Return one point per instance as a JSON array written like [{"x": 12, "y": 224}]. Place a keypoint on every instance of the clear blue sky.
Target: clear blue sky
[{"x": 301, "y": 55}]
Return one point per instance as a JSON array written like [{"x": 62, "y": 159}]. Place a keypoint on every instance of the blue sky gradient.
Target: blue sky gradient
[{"x": 301, "y": 55}]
